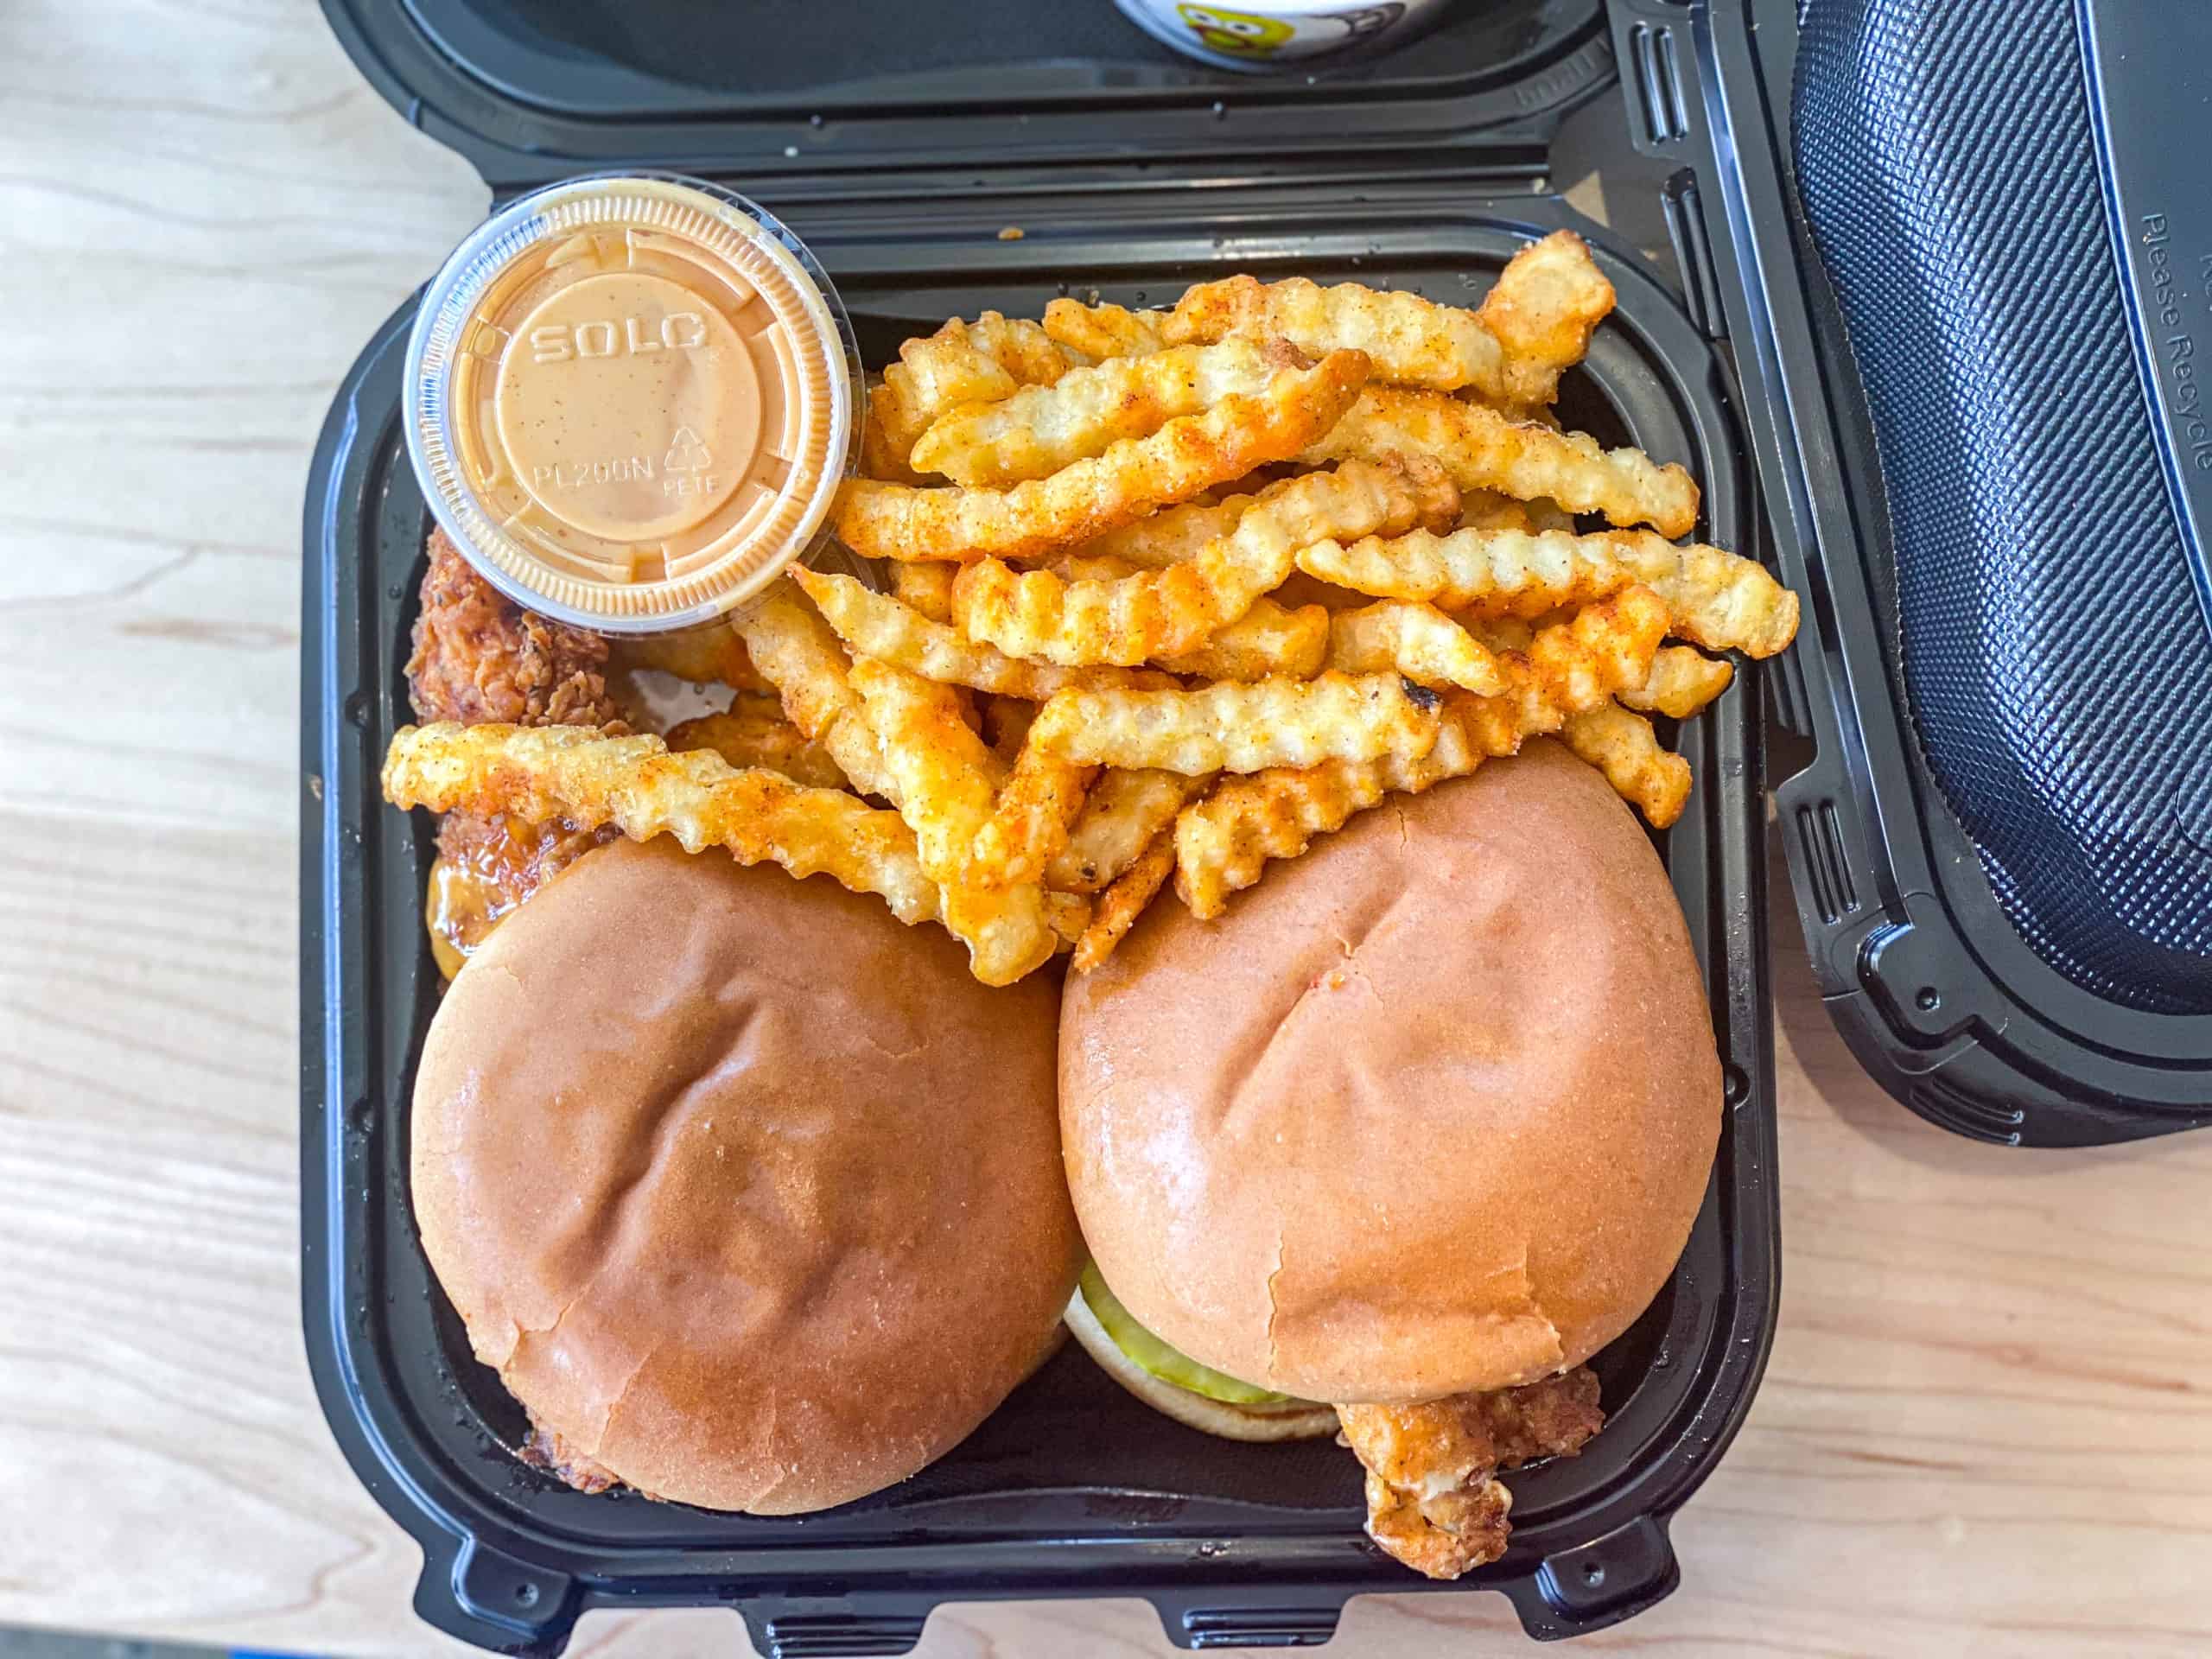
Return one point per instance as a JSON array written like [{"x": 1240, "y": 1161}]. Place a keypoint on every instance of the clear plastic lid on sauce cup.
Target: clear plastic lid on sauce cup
[{"x": 631, "y": 398}]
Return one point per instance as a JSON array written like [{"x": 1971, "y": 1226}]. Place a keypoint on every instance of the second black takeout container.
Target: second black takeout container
[{"x": 907, "y": 145}]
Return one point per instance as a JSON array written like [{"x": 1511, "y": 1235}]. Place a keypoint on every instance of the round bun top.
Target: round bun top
[
  {"x": 1432, "y": 1109},
  {"x": 752, "y": 1195}
]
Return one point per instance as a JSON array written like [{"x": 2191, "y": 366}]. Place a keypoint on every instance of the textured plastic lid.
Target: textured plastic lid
[{"x": 631, "y": 399}]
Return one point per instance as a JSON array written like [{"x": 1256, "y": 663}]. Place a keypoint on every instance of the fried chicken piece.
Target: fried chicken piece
[
  {"x": 1432, "y": 1502},
  {"x": 544, "y": 1448},
  {"x": 486, "y": 867},
  {"x": 480, "y": 657}
]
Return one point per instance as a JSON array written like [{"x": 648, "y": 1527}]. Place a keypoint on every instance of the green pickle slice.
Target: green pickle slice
[{"x": 1169, "y": 1364}]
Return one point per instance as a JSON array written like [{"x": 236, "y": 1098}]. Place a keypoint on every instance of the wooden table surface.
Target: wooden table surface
[{"x": 1985, "y": 1428}]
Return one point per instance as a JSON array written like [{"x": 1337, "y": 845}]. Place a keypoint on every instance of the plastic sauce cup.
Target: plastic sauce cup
[{"x": 631, "y": 399}]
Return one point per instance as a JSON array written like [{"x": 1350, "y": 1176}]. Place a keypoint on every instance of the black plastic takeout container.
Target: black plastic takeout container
[{"x": 901, "y": 142}]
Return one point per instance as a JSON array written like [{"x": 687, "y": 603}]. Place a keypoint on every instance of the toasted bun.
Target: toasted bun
[
  {"x": 1431, "y": 1109},
  {"x": 751, "y": 1194},
  {"x": 1294, "y": 1421}
]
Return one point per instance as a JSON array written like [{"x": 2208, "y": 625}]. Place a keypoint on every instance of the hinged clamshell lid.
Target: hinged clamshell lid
[
  {"x": 827, "y": 98},
  {"x": 1967, "y": 290}
]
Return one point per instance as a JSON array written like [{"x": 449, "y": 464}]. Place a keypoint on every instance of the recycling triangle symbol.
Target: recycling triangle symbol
[{"x": 686, "y": 453}]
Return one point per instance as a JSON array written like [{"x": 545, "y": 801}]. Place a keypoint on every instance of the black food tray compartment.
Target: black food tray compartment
[{"x": 1073, "y": 1488}]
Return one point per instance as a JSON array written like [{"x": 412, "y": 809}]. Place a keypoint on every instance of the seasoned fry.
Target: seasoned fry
[
  {"x": 1103, "y": 331},
  {"x": 926, "y": 587},
  {"x": 1547, "y": 301},
  {"x": 1178, "y": 535},
  {"x": 946, "y": 794},
  {"x": 1488, "y": 510},
  {"x": 1094, "y": 496},
  {"x": 1413, "y": 341},
  {"x": 797, "y": 653},
  {"x": 876, "y": 625},
  {"x": 1125, "y": 810},
  {"x": 1714, "y": 599},
  {"x": 1622, "y": 745},
  {"x": 1241, "y": 727},
  {"x": 1006, "y": 727},
  {"x": 1267, "y": 642},
  {"x": 1086, "y": 567},
  {"x": 964, "y": 363},
  {"x": 1120, "y": 905},
  {"x": 536, "y": 774},
  {"x": 752, "y": 732},
  {"x": 1224, "y": 840},
  {"x": 1299, "y": 589},
  {"x": 1028, "y": 826},
  {"x": 711, "y": 655},
  {"x": 1577, "y": 665},
  {"x": 1041, "y": 429},
  {"x": 1418, "y": 641},
  {"x": 882, "y": 455},
  {"x": 1681, "y": 684},
  {"x": 1163, "y": 613},
  {"x": 1483, "y": 449}
]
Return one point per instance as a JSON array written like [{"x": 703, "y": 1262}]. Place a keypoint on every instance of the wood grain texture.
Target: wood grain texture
[{"x": 1985, "y": 1429}]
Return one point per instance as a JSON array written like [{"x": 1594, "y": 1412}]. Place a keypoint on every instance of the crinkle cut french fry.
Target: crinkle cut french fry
[
  {"x": 1178, "y": 535},
  {"x": 1622, "y": 745},
  {"x": 1125, "y": 810},
  {"x": 895, "y": 521},
  {"x": 1413, "y": 341},
  {"x": 1036, "y": 616},
  {"x": 1120, "y": 905},
  {"x": 1079, "y": 566},
  {"x": 1299, "y": 589},
  {"x": 1225, "y": 840},
  {"x": 1028, "y": 826},
  {"x": 1714, "y": 599},
  {"x": 712, "y": 655},
  {"x": 1419, "y": 641},
  {"x": 1488, "y": 510},
  {"x": 1542, "y": 311},
  {"x": 747, "y": 735},
  {"x": 925, "y": 587},
  {"x": 946, "y": 794},
  {"x": 1581, "y": 663},
  {"x": 881, "y": 454},
  {"x": 1006, "y": 727},
  {"x": 1681, "y": 682},
  {"x": 876, "y": 625},
  {"x": 964, "y": 363},
  {"x": 535, "y": 773},
  {"x": 1484, "y": 450},
  {"x": 1242, "y": 727},
  {"x": 1268, "y": 641},
  {"x": 1103, "y": 331},
  {"x": 1041, "y": 429},
  {"x": 798, "y": 654}
]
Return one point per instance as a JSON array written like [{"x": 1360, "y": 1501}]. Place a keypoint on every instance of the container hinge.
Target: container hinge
[
  {"x": 1693, "y": 253},
  {"x": 834, "y": 1635}
]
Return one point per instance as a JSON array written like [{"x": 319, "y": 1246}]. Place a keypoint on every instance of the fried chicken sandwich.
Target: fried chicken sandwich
[{"x": 1415, "y": 1130}]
